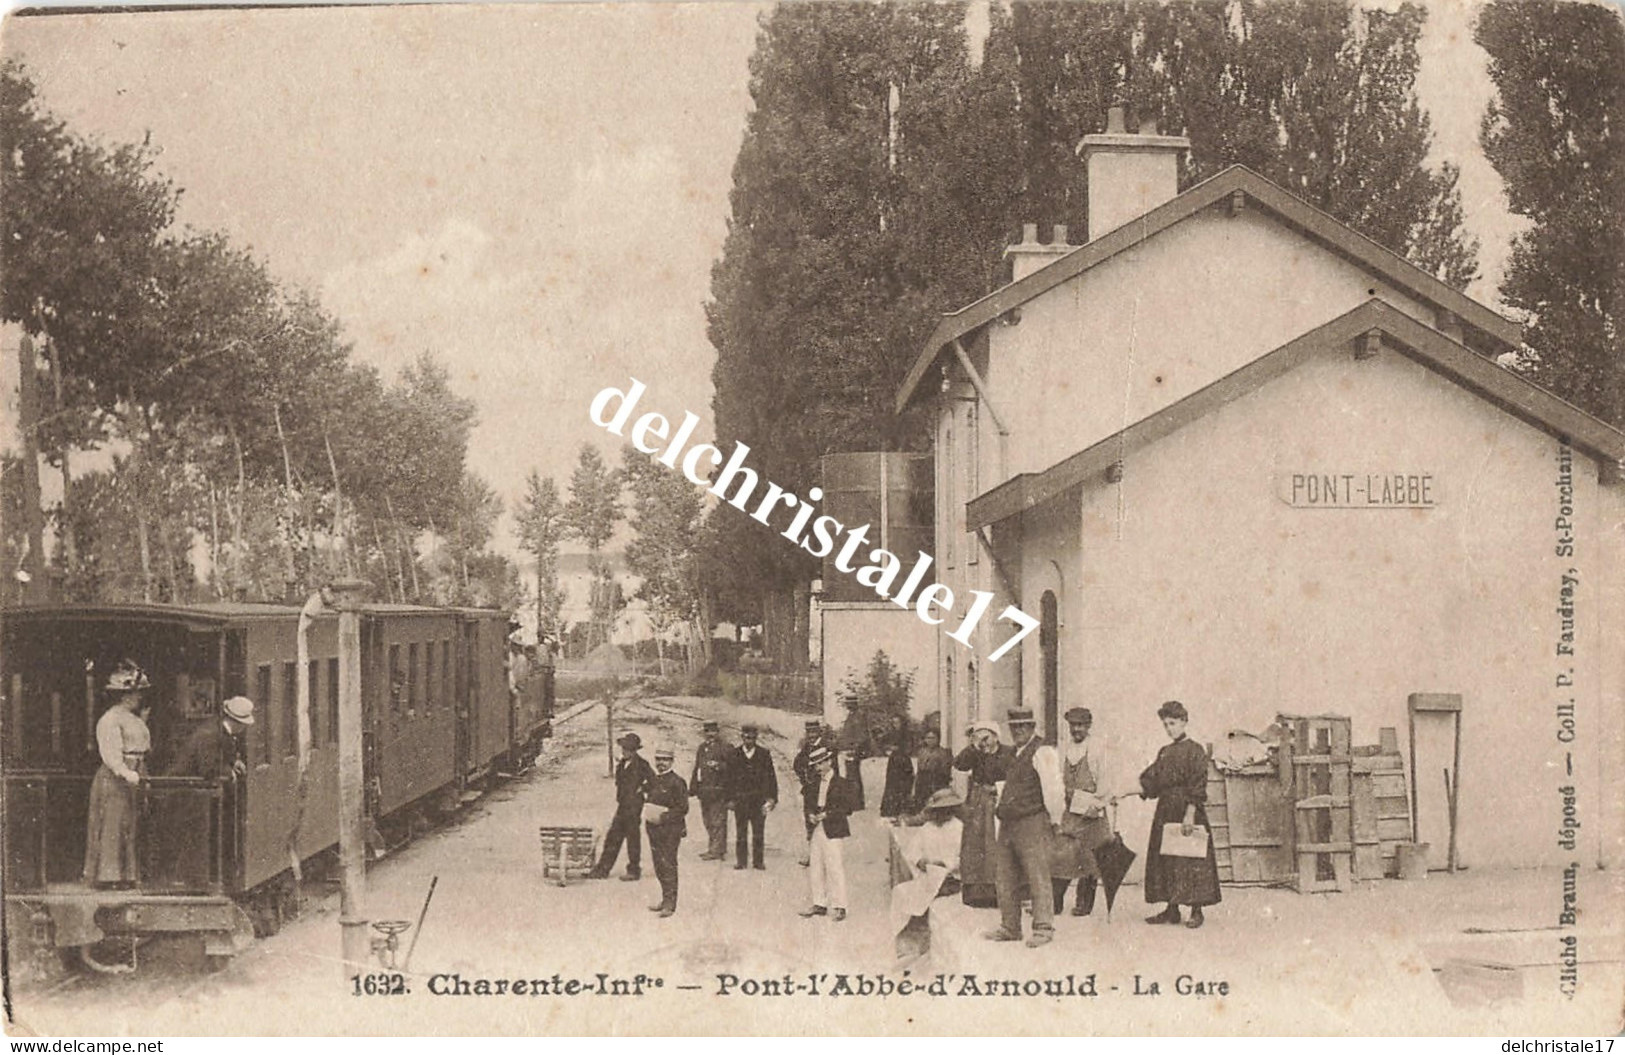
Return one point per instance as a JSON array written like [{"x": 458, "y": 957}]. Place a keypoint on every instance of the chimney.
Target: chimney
[
  {"x": 1029, "y": 254},
  {"x": 1129, "y": 173}
]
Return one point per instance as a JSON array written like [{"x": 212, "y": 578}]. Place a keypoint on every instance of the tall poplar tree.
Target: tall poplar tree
[
  {"x": 1553, "y": 132},
  {"x": 541, "y": 527},
  {"x": 590, "y": 515}
]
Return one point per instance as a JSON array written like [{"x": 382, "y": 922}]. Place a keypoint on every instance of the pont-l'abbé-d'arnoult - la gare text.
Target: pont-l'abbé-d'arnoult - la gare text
[{"x": 612, "y": 408}]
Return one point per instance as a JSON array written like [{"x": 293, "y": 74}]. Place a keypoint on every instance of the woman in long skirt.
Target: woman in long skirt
[
  {"x": 987, "y": 761},
  {"x": 122, "y": 740},
  {"x": 899, "y": 789},
  {"x": 1178, "y": 781}
]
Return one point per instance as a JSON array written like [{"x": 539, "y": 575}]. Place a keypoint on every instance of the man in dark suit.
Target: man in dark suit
[
  {"x": 214, "y": 750},
  {"x": 811, "y": 738},
  {"x": 709, "y": 783},
  {"x": 827, "y": 801},
  {"x": 753, "y": 788},
  {"x": 664, "y": 813},
  {"x": 632, "y": 776}
]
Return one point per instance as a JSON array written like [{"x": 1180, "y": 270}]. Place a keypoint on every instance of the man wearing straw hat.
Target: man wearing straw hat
[
  {"x": 1029, "y": 811},
  {"x": 664, "y": 811},
  {"x": 214, "y": 751},
  {"x": 632, "y": 776},
  {"x": 829, "y": 799}
]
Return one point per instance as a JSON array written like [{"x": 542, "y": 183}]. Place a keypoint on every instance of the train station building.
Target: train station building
[{"x": 1233, "y": 453}]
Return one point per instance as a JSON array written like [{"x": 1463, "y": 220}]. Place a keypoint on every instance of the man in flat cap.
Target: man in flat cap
[
  {"x": 753, "y": 788},
  {"x": 214, "y": 750},
  {"x": 664, "y": 811},
  {"x": 1029, "y": 812},
  {"x": 1084, "y": 826},
  {"x": 709, "y": 784},
  {"x": 632, "y": 776}
]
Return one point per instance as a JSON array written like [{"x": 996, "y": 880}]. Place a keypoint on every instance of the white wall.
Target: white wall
[
  {"x": 1156, "y": 323},
  {"x": 1194, "y": 580},
  {"x": 852, "y": 633}
]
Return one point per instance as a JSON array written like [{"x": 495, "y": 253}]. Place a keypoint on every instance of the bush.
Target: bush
[{"x": 876, "y": 705}]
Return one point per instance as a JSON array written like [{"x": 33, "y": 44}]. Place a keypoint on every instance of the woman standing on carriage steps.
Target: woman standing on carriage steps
[
  {"x": 122, "y": 740},
  {"x": 1178, "y": 781}
]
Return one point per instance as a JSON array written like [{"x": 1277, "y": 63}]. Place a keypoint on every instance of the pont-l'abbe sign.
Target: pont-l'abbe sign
[{"x": 1358, "y": 490}]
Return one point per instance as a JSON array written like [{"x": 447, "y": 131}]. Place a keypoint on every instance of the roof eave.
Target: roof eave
[{"x": 1320, "y": 226}]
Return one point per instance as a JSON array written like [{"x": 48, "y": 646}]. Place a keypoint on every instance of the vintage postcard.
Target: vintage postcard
[{"x": 730, "y": 518}]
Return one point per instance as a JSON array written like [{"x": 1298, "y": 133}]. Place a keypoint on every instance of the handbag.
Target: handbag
[{"x": 1177, "y": 844}]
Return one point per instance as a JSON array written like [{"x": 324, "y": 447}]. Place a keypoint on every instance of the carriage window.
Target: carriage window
[
  {"x": 412, "y": 675},
  {"x": 290, "y": 710},
  {"x": 333, "y": 701},
  {"x": 396, "y": 680},
  {"x": 429, "y": 687},
  {"x": 260, "y": 732},
  {"x": 311, "y": 698}
]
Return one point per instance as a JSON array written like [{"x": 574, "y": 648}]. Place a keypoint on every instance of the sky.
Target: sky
[{"x": 536, "y": 193}]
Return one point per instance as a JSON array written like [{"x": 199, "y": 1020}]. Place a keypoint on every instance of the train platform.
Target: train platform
[{"x": 1478, "y": 952}]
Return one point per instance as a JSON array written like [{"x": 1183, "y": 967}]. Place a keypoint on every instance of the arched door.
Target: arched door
[{"x": 1049, "y": 659}]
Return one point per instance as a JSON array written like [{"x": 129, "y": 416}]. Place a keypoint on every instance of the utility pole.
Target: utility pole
[{"x": 348, "y": 595}]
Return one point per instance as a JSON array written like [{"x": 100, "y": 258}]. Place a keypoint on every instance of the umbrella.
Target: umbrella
[{"x": 1113, "y": 861}]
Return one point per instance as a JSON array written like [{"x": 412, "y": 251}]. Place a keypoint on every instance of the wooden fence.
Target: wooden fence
[{"x": 803, "y": 693}]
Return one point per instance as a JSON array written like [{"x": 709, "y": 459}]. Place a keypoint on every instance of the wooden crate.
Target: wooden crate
[
  {"x": 1324, "y": 872},
  {"x": 567, "y": 852},
  {"x": 1382, "y": 810},
  {"x": 1250, "y": 815},
  {"x": 1319, "y": 734}
]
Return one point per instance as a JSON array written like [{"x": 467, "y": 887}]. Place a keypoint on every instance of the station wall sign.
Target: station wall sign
[{"x": 1323, "y": 489}]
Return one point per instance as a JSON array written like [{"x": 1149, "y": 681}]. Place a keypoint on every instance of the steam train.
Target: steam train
[{"x": 443, "y": 711}]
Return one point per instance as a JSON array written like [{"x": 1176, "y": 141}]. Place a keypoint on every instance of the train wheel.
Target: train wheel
[{"x": 114, "y": 955}]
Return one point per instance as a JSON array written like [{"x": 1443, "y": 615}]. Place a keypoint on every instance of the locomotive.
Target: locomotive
[{"x": 443, "y": 712}]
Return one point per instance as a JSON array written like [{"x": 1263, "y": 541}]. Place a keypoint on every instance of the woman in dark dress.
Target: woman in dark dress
[
  {"x": 899, "y": 789},
  {"x": 987, "y": 761},
  {"x": 1178, "y": 781}
]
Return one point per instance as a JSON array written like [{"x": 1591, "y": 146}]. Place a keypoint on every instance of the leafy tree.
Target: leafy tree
[
  {"x": 833, "y": 262},
  {"x": 541, "y": 528},
  {"x": 666, "y": 515},
  {"x": 1553, "y": 133},
  {"x": 1315, "y": 95},
  {"x": 591, "y": 514}
]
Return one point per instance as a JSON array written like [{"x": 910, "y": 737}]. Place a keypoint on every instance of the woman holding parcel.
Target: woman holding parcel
[{"x": 1178, "y": 781}]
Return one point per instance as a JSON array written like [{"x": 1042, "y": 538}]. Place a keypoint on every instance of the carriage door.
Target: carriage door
[{"x": 1049, "y": 633}]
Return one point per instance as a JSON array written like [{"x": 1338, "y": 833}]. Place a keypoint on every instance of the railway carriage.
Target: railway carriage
[{"x": 220, "y": 856}]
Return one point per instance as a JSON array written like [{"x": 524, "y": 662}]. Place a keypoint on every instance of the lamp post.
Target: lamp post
[{"x": 348, "y": 595}]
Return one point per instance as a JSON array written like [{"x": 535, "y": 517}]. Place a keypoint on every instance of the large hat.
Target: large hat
[
  {"x": 239, "y": 709},
  {"x": 710, "y": 727},
  {"x": 819, "y": 754},
  {"x": 1019, "y": 718},
  {"x": 631, "y": 741},
  {"x": 1080, "y": 716},
  {"x": 127, "y": 678},
  {"x": 748, "y": 729},
  {"x": 943, "y": 799},
  {"x": 984, "y": 727},
  {"x": 664, "y": 752}
]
